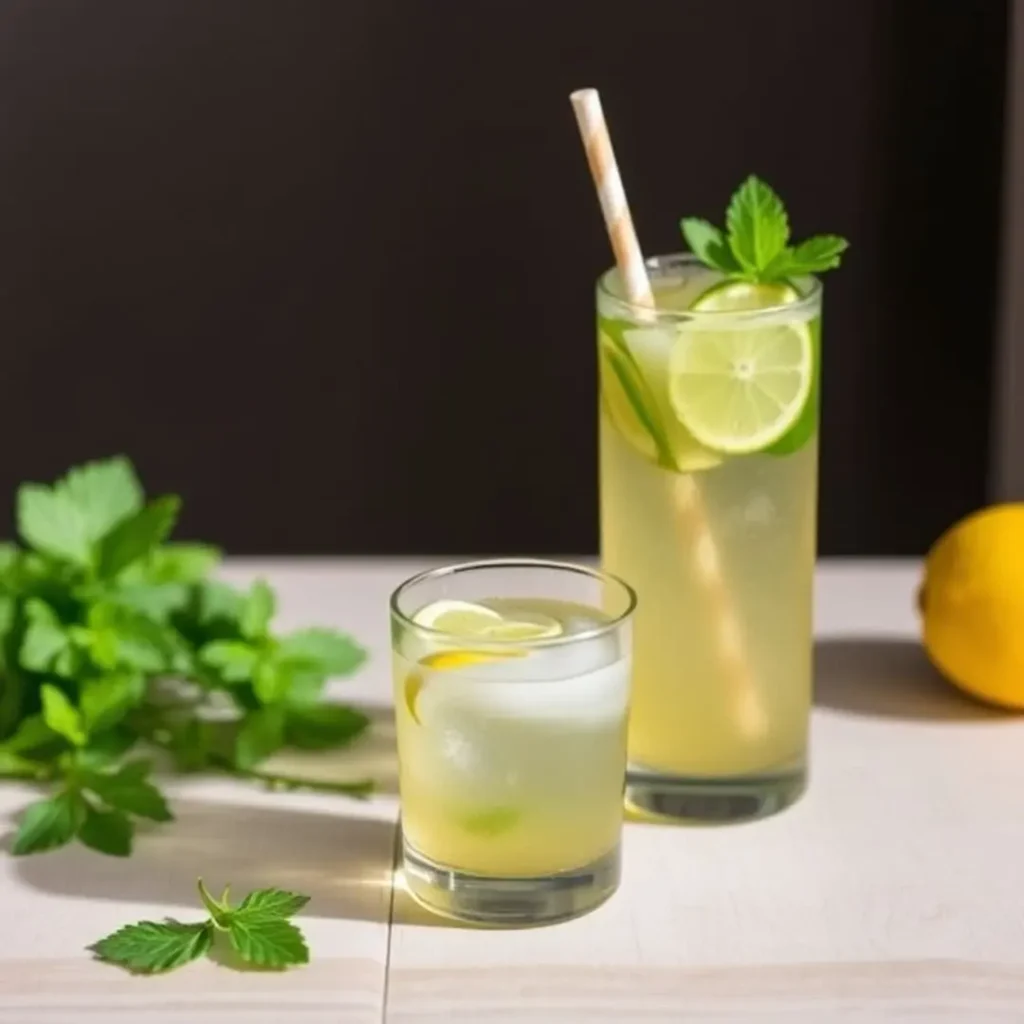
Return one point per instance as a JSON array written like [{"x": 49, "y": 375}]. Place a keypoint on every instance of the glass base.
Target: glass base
[
  {"x": 711, "y": 801},
  {"x": 509, "y": 902}
]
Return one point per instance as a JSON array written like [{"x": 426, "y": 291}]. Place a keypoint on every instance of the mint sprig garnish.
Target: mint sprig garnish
[
  {"x": 114, "y": 641},
  {"x": 755, "y": 245},
  {"x": 257, "y": 929}
]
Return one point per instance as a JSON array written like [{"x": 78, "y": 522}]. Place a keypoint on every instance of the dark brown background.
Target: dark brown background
[{"x": 325, "y": 266}]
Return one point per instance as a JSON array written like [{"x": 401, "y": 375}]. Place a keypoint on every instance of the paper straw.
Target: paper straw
[{"x": 691, "y": 513}]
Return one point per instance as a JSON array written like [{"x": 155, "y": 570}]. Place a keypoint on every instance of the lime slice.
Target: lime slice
[
  {"x": 460, "y": 618},
  {"x": 738, "y": 388},
  {"x": 634, "y": 390}
]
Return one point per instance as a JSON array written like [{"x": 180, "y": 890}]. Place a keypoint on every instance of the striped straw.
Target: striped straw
[{"x": 691, "y": 513}]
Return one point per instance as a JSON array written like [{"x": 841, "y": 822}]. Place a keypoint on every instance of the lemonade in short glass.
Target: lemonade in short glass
[
  {"x": 511, "y": 693},
  {"x": 709, "y": 455}
]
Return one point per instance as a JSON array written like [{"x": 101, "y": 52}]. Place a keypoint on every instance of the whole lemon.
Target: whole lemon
[{"x": 972, "y": 603}]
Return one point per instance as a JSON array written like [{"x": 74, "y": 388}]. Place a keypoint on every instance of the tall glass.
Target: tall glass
[
  {"x": 720, "y": 545},
  {"x": 511, "y": 737}
]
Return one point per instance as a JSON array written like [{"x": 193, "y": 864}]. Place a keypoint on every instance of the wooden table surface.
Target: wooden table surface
[{"x": 890, "y": 892}]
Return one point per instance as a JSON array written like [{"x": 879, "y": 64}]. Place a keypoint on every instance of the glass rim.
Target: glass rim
[
  {"x": 657, "y": 263},
  {"x": 454, "y": 568}
]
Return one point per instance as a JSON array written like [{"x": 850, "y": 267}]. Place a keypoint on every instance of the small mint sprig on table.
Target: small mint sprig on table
[
  {"x": 755, "y": 246},
  {"x": 258, "y": 930}
]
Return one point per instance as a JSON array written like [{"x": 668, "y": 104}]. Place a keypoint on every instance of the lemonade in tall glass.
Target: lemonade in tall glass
[{"x": 708, "y": 466}]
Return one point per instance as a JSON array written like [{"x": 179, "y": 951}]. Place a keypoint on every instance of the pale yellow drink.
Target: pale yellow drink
[
  {"x": 511, "y": 724},
  {"x": 722, "y": 687}
]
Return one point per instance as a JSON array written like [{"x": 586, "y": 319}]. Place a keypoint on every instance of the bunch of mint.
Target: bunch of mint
[{"x": 114, "y": 643}]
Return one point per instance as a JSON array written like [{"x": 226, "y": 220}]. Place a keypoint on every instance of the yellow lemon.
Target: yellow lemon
[
  {"x": 972, "y": 605},
  {"x": 445, "y": 661}
]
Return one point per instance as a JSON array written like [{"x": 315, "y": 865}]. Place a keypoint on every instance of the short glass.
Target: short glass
[
  {"x": 512, "y": 741},
  {"x": 719, "y": 541}
]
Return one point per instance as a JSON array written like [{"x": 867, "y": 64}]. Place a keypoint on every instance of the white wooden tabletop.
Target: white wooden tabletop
[{"x": 889, "y": 893}]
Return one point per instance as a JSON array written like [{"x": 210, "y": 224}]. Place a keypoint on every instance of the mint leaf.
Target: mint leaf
[
  {"x": 173, "y": 563},
  {"x": 321, "y": 650},
  {"x": 108, "y": 832},
  {"x": 14, "y": 766},
  {"x": 105, "y": 701},
  {"x": 275, "y": 902},
  {"x": 155, "y": 600},
  {"x": 103, "y": 492},
  {"x": 32, "y": 734},
  {"x": 45, "y": 636},
  {"x": 320, "y": 726},
  {"x": 182, "y": 563},
  {"x": 129, "y": 790},
  {"x": 235, "y": 660},
  {"x": 267, "y": 941},
  {"x": 107, "y": 747},
  {"x": 152, "y": 946},
  {"x": 758, "y": 225},
  {"x": 47, "y": 824},
  {"x": 272, "y": 681},
  {"x": 257, "y": 611},
  {"x": 262, "y": 734},
  {"x": 51, "y": 523},
  {"x": 138, "y": 534},
  {"x": 817, "y": 255},
  {"x": 117, "y": 636},
  {"x": 708, "y": 245},
  {"x": 61, "y": 715}
]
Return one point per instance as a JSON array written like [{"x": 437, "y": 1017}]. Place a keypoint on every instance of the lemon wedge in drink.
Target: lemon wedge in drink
[
  {"x": 466, "y": 620},
  {"x": 738, "y": 386}
]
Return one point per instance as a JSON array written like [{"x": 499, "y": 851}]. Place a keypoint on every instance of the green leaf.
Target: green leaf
[
  {"x": 220, "y": 909},
  {"x": 47, "y": 824},
  {"x": 262, "y": 734},
  {"x": 119, "y": 636},
  {"x": 320, "y": 726},
  {"x": 128, "y": 790},
  {"x": 105, "y": 701},
  {"x": 273, "y": 902},
  {"x": 182, "y": 563},
  {"x": 107, "y": 832},
  {"x": 14, "y": 766},
  {"x": 51, "y": 523},
  {"x": 818, "y": 254},
  {"x": 272, "y": 681},
  {"x": 104, "y": 493},
  {"x": 758, "y": 225},
  {"x": 61, "y": 715},
  {"x": 267, "y": 941},
  {"x": 235, "y": 660},
  {"x": 155, "y": 600},
  {"x": 32, "y": 733},
  {"x": 257, "y": 611},
  {"x": 321, "y": 650},
  {"x": 45, "y": 637},
  {"x": 137, "y": 535},
  {"x": 152, "y": 946},
  {"x": 9, "y": 557},
  {"x": 106, "y": 748},
  {"x": 708, "y": 245}
]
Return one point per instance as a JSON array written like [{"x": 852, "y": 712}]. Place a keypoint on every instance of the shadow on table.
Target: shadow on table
[
  {"x": 344, "y": 863},
  {"x": 889, "y": 678}
]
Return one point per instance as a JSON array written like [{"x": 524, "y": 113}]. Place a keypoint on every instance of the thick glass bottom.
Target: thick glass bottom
[
  {"x": 710, "y": 801},
  {"x": 509, "y": 902}
]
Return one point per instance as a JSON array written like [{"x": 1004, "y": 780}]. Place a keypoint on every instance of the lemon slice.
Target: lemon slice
[
  {"x": 740, "y": 387},
  {"x": 536, "y": 627},
  {"x": 460, "y": 618},
  {"x": 445, "y": 661}
]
